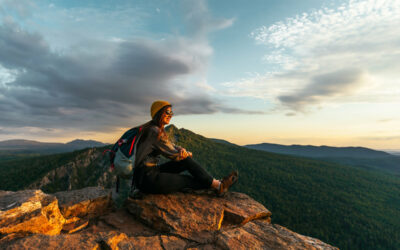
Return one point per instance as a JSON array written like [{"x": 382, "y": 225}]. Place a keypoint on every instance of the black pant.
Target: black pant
[{"x": 165, "y": 178}]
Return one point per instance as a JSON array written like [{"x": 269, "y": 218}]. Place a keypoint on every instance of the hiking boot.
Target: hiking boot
[{"x": 227, "y": 182}]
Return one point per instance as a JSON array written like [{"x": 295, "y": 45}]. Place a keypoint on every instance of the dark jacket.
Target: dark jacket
[{"x": 149, "y": 148}]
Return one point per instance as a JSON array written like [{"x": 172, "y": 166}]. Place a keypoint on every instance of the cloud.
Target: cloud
[
  {"x": 346, "y": 54},
  {"x": 198, "y": 20},
  {"x": 99, "y": 84},
  {"x": 386, "y": 120},
  {"x": 112, "y": 83},
  {"x": 332, "y": 84},
  {"x": 22, "y": 8},
  {"x": 381, "y": 138}
]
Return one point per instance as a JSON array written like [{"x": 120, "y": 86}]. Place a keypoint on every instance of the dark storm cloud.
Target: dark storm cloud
[
  {"x": 323, "y": 86},
  {"x": 97, "y": 85}
]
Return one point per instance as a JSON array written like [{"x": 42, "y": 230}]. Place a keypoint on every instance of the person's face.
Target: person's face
[{"x": 167, "y": 115}]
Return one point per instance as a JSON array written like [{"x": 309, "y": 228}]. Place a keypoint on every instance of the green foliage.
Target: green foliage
[
  {"x": 17, "y": 174},
  {"x": 8, "y": 155},
  {"x": 347, "y": 207}
]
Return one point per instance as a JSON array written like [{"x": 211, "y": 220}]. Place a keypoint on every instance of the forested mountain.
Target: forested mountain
[
  {"x": 355, "y": 156},
  {"x": 222, "y": 141},
  {"x": 393, "y": 152},
  {"x": 348, "y": 207},
  {"x": 319, "y": 151},
  {"x": 19, "y": 147}
]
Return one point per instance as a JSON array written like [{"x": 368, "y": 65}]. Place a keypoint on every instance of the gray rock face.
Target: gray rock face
[
  {"x": 77, "y": 173},
  {"x": 82, "y": 219}
]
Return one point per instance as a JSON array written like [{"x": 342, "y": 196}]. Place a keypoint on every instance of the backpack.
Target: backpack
[
  {"x": 122, "y": 160},
  {"x": 123, "y": 153}
]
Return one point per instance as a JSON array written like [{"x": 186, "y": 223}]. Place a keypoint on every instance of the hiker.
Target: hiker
[{"x": 152, "y": 177}]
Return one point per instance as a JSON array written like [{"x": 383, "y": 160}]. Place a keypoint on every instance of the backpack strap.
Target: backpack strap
[
  {"x": 134, "y": 157},
  {"x": 112, "y": 155},
  {"x": 133, "y": 141},
  {"x": 117, "y": 185}
]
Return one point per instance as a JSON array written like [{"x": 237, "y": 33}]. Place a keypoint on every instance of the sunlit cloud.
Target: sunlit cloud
[
  {"x": 95, "y": 83},
  {"x": 382, "y": 138},
  {"x": 329, "y": 56}
]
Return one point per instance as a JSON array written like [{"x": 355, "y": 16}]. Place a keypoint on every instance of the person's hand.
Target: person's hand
[{"x": 183, "y": 154}]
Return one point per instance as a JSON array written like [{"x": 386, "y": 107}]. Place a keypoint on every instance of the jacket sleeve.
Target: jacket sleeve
[{"x": 165, "y": 147}]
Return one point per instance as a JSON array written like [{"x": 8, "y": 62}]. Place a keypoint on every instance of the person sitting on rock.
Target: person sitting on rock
[{"x": 152, "y": 177}]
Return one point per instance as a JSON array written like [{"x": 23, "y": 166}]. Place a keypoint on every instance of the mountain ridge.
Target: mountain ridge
[
  {"x": 344, "y": 206},
  {"x": 355, "y": 156},
  {"x": 83, "y": 219},
  {"x": 322, "y": 151},
  {"x": 18, "y": 146}
]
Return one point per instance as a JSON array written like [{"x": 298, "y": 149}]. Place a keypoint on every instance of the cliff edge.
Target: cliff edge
[{"x": 83, "y": 219}]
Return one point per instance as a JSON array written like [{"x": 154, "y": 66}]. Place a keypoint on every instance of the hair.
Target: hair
[{"x": 157, "y": 120}]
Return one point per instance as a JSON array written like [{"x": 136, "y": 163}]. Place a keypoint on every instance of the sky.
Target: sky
[{"x": 311, "y": 72}]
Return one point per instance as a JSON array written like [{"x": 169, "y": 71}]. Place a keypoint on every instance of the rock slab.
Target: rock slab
[
  {"x": 260, "y": 234},
  {"x": 29, "y": 211},
  {"x": 188, "y": 214},
  {"x": 30, "y": 219},
  {"x": 88, "y": 202}
]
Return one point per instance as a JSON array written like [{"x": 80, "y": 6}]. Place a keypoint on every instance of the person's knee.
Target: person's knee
[{"x": 188, "y": 160}]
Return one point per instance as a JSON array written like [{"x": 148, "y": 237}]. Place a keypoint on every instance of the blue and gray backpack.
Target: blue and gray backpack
[{"x": 122, "y": 159}]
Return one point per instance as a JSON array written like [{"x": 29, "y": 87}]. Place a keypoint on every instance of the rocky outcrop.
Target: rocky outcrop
[
  {"x": 261, "y": 234},
  {"x": 89, "y": 202},
  {"x": 29, "y": 211},
  {"x": 191, "y": 215},
  {"x": 87, "y": 168},
  {"x": 83, "y": 219}
]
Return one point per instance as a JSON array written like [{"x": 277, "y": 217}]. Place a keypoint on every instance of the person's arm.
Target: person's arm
[
  {"x": 183, "y": 152},
  {"x": 165, "y": 147}
]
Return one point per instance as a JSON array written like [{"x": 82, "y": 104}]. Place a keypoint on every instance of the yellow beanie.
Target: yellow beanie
[{"x": 156, "y": 106}]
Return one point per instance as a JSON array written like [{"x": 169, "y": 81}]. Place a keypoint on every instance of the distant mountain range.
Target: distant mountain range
[
  {"x": 35, "y": 147},
  {"x": 350, "y": 207},
  {"x": 319, "y": 151},
  {"x": 393, "y": 152},
  {"x": 222, "y": 141},
  {"x": 355, "y": 156}
]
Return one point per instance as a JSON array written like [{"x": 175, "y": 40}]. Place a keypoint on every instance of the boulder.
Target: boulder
[
  {"x": 75, "y": 226},
  {"x": 240, "y": 208},
  {"x": 172, "y": 242},
  {"x": 29, "y": 211},
  {"x": 123, "y": 222},
  {"x": 84, "y": 240},
  {"x": 88, "y": 202},
  {"x": 139, "y": 242},
  {"x": 159, "y": 242},
  {"x": 31, "y": 219},
  {"x": 196, "y": 214},
  {"x": 261, "y": 234},
  {"x": 62, "y": 241}
]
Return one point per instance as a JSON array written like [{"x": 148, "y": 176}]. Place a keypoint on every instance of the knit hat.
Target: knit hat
[{"x": 157, "y": 105}]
